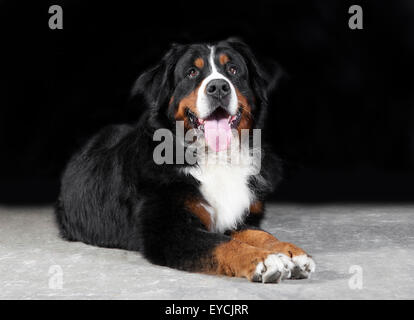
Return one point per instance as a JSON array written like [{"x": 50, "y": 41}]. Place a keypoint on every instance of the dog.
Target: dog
[{"x": 198, "y": 217}]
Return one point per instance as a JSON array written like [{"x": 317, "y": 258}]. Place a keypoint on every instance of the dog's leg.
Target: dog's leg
[
  {"x": 304, "y": 264},
  {"x": 176, "y": 238},
  {"x": 235, "y": 258}
]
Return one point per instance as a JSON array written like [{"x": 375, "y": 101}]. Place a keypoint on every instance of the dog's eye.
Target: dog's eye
[
  {"x": 232, "y": 69},
  {"x": 192, "y": 73}
]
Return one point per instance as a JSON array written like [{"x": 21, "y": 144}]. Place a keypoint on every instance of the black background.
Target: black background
[{"x": 342, "y": 118}]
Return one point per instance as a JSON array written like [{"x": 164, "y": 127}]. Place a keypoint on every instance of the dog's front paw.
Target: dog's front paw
[
  {"x": 278, "y": 266},
  {"x": 303, "y": 267},
  {"x": 273, "y": 269}
]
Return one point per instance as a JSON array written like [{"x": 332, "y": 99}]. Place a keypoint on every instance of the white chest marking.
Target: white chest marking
[{"x": 225, "y": 188}]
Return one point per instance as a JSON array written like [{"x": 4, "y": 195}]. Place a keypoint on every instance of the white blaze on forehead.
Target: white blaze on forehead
[{"x": 202, "y": 99}]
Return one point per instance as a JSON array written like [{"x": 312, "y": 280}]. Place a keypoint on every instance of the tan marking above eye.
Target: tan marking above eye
[
  {"x": 199, "y": 63},
  {"x": 223, "y": 59}
]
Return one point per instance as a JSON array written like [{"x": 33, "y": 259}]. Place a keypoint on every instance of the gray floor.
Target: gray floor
[{"x": 361, "y": 252}]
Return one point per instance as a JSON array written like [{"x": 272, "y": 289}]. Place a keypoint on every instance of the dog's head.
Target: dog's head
[{"x": 209, "y": 87}]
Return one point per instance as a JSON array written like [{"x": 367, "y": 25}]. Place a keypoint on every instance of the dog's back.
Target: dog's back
[{"x": 90, "y": 208}]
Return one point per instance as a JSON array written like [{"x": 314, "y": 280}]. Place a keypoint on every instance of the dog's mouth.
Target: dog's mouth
[
  {"x": 218, "y": 115},
  {"x": 216, "y": 127}
]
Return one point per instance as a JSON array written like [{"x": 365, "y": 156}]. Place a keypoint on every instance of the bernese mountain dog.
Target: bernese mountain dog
[{"x": 201, "y": 216}]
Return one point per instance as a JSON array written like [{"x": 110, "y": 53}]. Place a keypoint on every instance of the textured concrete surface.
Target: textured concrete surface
[{"x": 361, "y": 251}]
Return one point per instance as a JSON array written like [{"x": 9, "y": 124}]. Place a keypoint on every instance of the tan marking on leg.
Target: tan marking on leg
[
  {"x": 262, "y": 239},
  {"x": 236, "y": 259},
  {"x": 256, "y": 207},
  {"x": 196, "y": 207}
]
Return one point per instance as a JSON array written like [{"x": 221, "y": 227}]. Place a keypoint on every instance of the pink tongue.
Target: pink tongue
[{"x": 217, "y": 133}]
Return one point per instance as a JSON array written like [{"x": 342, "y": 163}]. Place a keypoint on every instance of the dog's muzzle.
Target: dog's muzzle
[{"x": 218, "y": 93}]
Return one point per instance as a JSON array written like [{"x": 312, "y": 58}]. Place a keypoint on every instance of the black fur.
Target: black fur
[{"x": 114, "y": 195}]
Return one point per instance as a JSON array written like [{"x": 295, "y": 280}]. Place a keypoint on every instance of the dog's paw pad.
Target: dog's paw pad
[
  {"x": 304, "y": 266},
  {"x": 273, "y": 269}
]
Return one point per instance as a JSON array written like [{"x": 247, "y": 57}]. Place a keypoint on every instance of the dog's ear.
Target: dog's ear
[
  {"x": 156, "y": 84},
  {"x": 263, "y": 77}
]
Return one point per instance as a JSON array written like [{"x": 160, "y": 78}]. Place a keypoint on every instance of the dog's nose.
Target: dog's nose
[{"x": 218, "y": 88}]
